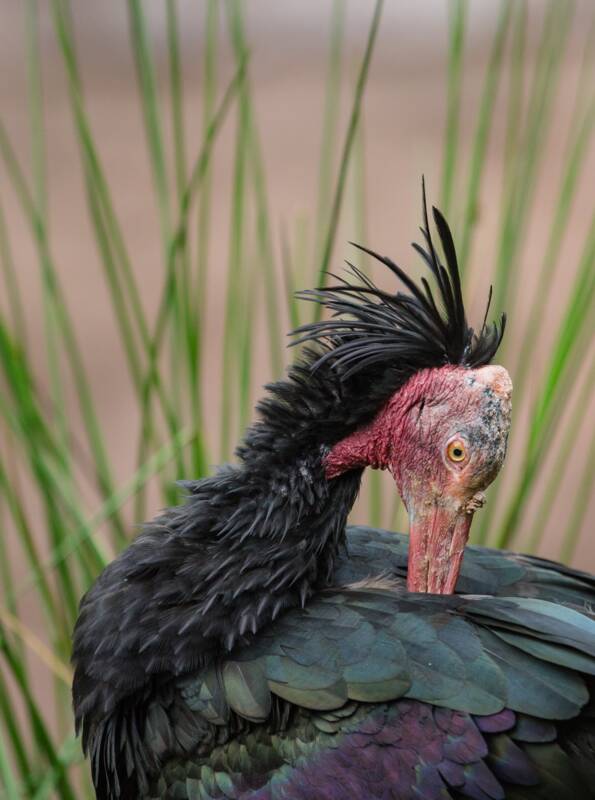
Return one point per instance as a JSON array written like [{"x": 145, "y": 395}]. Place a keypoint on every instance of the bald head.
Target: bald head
[{"x": 443, "y": 436}]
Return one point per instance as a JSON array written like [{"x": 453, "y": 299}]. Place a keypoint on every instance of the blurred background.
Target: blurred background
[{"x": 170, "y": 173}]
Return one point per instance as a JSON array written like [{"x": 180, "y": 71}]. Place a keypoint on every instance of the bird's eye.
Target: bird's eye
[{"x": 456, "y": 451}]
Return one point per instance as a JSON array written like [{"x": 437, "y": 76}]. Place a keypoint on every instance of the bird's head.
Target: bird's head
[
  {"x": 438, "y": 413},
  {"x": 443, "y": 438}
]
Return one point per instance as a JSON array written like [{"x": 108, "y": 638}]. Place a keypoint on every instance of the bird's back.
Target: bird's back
[{"x": 372, "y": 692}]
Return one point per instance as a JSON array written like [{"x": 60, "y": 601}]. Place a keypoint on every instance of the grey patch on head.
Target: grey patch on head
[{"x": 490, "y": 436}]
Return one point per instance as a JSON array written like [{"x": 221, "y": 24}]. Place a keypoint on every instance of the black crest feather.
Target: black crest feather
[{"x": 371, "y": 329}]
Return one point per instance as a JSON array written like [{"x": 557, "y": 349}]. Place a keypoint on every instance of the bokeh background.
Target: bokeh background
[{"x": 170, "y": 172}]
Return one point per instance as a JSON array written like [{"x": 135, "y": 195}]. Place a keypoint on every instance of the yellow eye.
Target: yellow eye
[{"x": 456, "y": 451}]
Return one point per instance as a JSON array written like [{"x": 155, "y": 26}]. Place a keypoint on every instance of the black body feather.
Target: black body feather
[
  {"x": 373, "y": 693},
  {"x": 258, "y": 538}
]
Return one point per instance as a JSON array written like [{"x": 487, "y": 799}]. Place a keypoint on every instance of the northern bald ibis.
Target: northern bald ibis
[{"x": 250, "y": 645}]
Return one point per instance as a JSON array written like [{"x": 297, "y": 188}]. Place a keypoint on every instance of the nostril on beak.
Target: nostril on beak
[{"x": 477, "y": 501}]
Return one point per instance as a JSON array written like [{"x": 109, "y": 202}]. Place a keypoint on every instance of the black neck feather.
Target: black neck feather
[{"x": 249, "y": 542}]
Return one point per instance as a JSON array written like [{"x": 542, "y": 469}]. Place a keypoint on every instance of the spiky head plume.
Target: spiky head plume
[
  {"x": 372, "y": 330},
  {"x": 372, "y": 344}
]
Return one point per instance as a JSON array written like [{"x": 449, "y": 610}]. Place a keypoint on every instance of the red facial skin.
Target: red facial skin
[{"x": 466, "y": 408}]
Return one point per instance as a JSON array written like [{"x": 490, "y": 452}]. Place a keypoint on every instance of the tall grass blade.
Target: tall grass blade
[
  {"x": 176, "y": 95},
  {"x": 232, "y": 341},
  {"x": 209, "y": 89},
  {"x": 346, "y": 152},
  {"x": 482, "y": 133},
  {"x": 38, "y": 727},
  {"x": 10, "y": 787},
  {"x": 580, "y": 507},
  {"x": 329, "y": 130},
  {"x": 457, "y": 12},
  {"x": 17, "y": 739},
  {"x": 152, "y": 118},
  {"x": 256, "y": 173},
  {"x": 554, "y": 484},
  {"x": 579, "y": 312},
  {"x": 11, "y": 285}
]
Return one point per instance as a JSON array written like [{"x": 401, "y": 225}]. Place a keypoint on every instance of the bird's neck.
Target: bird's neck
[
  {"x": 278, "y": 521},
  {"x": 276, "y": 536}
]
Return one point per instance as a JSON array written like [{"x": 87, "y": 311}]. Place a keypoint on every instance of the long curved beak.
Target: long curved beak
[{"x": 437, "y": 539}]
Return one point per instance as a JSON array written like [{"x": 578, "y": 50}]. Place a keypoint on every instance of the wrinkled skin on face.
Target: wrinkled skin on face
[{"x": 443, "y": 436}]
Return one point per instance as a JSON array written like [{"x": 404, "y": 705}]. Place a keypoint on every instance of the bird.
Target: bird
[{"x": 251, "y": 644}]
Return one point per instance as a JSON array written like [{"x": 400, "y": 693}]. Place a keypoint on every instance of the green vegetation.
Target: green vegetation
[{"x": 61, "y": 509}]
